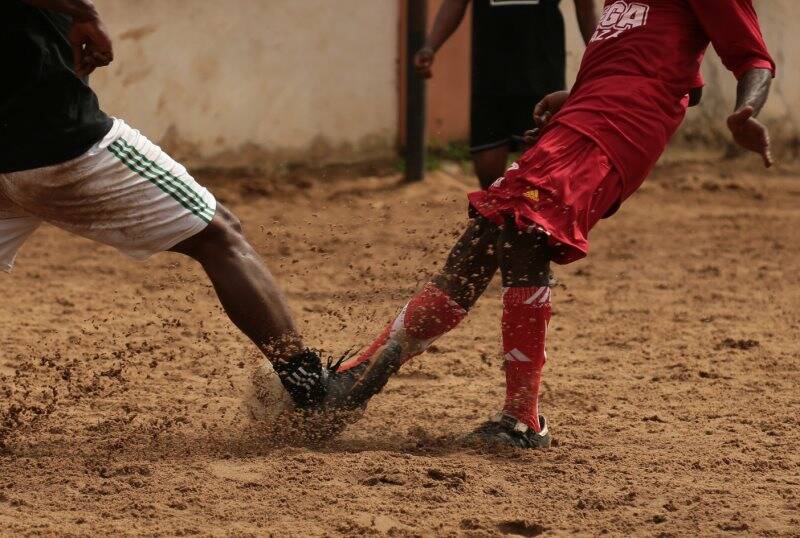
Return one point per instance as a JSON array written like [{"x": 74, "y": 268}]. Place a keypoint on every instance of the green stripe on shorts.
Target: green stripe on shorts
[
  {"x": 181, "y": 192},
  {"x": 167, "y": 182},
  {"x": 181, "y": 186}
]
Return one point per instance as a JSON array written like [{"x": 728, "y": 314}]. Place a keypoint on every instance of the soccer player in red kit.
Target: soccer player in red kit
[{"x": 596, "y": 144}]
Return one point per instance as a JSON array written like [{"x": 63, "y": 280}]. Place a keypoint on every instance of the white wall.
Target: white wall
[{"x": 255, "y": 81}]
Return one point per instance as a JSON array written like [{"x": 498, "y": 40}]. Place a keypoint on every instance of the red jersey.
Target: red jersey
[{"x": 631, "y": 91}]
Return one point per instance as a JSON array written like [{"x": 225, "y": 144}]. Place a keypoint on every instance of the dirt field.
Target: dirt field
[{"x": 672, "y": 387}]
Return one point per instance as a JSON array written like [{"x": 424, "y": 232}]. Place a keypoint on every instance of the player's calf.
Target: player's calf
[
  {"x": 437, "y": 309},
  {"x": 253, "y": 301},
  {"x": 444, "y": 301}
]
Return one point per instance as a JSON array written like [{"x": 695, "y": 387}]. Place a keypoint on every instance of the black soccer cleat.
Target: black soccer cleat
[
  {"x": 506, "y": 430},
  {"x": 357, "y": 385},
  {"x": 304, "y": 378},
  {"x": 326, "y": 399}
]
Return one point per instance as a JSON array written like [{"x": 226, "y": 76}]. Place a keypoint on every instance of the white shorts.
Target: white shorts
[{"x": 124, "y": 192}]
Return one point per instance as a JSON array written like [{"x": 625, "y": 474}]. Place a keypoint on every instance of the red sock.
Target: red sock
[
  {"x": 526, "y": 313},
  {"x": 426, "y": 317}
]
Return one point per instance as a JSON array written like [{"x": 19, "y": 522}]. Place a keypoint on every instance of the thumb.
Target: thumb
[
  {"x": 539, "y": 111},
  {"x": 740, "y": 116},
  {"x": 76, "y": 41},
  {"x": 77, "y": 54},
  {"x": 766, "y": 152}
]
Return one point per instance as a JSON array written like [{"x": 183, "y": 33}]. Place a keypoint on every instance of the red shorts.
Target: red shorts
[{"x": 561, "y": 186}]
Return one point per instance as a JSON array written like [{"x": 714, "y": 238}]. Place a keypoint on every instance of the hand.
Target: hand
[
  {"x": 91, "y": 46},
  {"x": 750, "y": 133},
  {"x": 544, "y": 110},
  {"x": 531, "y": 137},
  {"x": 423, "y": 61},
  {"x": 548, "y": 106}
]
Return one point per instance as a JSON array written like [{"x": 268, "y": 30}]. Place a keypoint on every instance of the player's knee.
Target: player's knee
[
  {"x": 222, "y": 236},
  {"x": 524, "y": 256},
  {"x": 529, "y": 239},
  {"x": 229, "y": 220},
  {"x": 480, "y": 228},
  {"x": 226, "y": 232}
]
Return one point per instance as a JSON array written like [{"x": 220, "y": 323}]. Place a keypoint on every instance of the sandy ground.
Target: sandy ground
[{"x": 672, "y": 388}]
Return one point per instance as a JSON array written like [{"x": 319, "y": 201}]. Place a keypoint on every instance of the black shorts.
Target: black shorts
[{"x": 500, "y": 120}]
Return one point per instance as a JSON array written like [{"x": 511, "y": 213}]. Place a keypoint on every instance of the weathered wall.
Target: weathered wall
[
  {"x": 256, "y": 81},
  {"x": 265, "y": 82}
]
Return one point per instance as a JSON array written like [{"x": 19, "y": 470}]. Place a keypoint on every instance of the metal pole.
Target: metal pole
[{"x": 415, "y": 93}]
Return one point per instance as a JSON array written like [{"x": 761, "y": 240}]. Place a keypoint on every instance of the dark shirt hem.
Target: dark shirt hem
[{"x": 36, "y": 158}]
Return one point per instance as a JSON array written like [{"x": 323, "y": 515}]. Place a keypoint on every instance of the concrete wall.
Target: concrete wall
[{"x": 256, "y": 81}]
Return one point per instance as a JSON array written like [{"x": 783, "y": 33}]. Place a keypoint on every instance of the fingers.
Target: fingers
[
  {"x": 542, "y": 112},
  {"x": 766, "y": 152},
  {"x": 91, "y": 60},
  {"x": 423, "y": 68},
  {"x": 543, "y": 119},
  {"x": 746, "y": 112},
  {"x": 538, "y": 112},
  {"x": 77, "y": 55},
  {"x": 99, "y": 59},
  {"x": 531, "y": 137},
  {"x": 91, "y": 46},
  {"x": 423, "y": 61}
]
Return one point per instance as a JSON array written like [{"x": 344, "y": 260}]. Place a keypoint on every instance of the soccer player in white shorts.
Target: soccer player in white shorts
[{"x": 65, "y": 162}]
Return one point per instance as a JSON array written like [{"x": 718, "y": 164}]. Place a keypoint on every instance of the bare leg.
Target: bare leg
[
  {"x": 524, "y": 257},
  {"x": 441, "y": 304},
  {"x": 490, "y": 164},
  {"x": 245, "y": 287},
  {"x": 471, "y": 263}
]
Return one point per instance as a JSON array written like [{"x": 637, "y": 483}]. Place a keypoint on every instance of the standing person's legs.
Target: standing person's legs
[
  {"x": 490, "y": 137},
  {"x": 548, "y": 202},
  {"x": 490, "y": 164},
  {"x": 497, "y": 126},
  {"x": 524, "y": 257}
]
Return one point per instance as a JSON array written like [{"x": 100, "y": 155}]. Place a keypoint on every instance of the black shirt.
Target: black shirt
[
  {"x": 48, "y": 114},
  {"x": 518, "y": 47}
]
